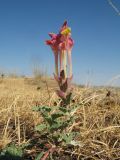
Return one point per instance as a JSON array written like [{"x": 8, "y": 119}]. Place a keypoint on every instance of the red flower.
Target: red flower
[
  {"x": 54, "y": 44},
  {"x": 61, "y": 45}
]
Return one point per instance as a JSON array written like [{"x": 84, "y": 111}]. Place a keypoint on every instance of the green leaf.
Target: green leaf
[
  {"x": 46, "y": 109},
  {"x": 66, "y": 137},
  {"x": 59, "y": 124},
  {"x": 57, "y": 115},
  {"x": 36, "y": 108},
  {"x": 14, "y": 150},
  {"x": 42, "y": 108},
  {"x": 40, "y": 127},
  {"x": 55, "y": 126},
  {"x": 63, "y": 109},
  {"x": 48, "y": 119},
  {"x": 39, "y": 156}
]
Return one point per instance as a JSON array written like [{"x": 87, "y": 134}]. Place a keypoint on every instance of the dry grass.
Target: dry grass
[{"x": 98, "y": 116}]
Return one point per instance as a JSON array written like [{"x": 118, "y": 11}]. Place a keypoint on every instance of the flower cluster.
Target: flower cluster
[{"x": 61, "y": 45}]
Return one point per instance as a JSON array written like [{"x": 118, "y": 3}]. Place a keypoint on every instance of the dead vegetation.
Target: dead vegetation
[{"x": 98, "y": 116}]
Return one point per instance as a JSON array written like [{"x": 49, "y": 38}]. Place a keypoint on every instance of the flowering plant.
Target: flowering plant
[
  {"x": 57, "y": 119},
  {"x": 61, "y": 45}
]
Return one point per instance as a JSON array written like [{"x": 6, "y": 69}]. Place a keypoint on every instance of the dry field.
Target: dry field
[{"x": 98, "y": 117}]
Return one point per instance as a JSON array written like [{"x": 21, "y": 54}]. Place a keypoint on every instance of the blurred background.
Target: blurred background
[{"x": 25, "y": 24}]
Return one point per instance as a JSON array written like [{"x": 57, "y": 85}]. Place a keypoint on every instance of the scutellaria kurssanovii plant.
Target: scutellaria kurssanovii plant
[
  {"x": 57, "y": 119},
  {"x": 61, "y": 45}
]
